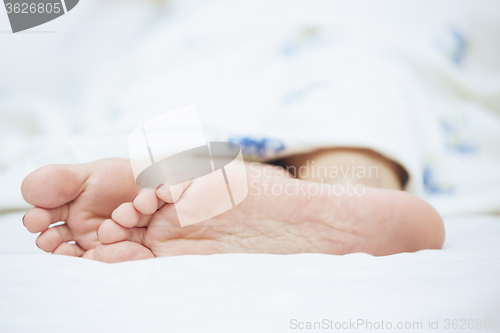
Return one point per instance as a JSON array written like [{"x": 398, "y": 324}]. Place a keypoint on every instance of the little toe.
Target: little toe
[
  {"x": 122, "y": 251},
  {"x": 39, "y": 219},
  {"x": 146, "y": 202},
  {"x": 51, "y": 238}
]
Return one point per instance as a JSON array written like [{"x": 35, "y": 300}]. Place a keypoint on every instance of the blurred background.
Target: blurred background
[
  {"x": 72, "y": 89},
  {"x": 418, "y": 81}
]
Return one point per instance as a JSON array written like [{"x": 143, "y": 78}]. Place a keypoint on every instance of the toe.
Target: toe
[
  {"x": 146, "y": 202},
  {"x": 67, "y": 249},
  {"x": 164, "y": 192},
  {"x": 110, "y": 232},
  {"x": 127, "y": 216},
  {"x": 50, "y": 239},
  {"x": 54, "y": 185},
  {"x": 39, "y": 219},
  {"x": 123, "y": 251},
  {"x": 88, "y": 254}
]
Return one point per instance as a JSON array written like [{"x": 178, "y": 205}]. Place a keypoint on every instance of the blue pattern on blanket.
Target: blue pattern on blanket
[
  {"x": 309, "y": 37},
  {"x": 432, "y": 185},
  {"x": 456, "y": 136},
  {"x": 259, "y": 147},
  {"x": 458, "y": 54},
  {"x": 453, "y": 44},
  {"x": 298, "y": 94}
]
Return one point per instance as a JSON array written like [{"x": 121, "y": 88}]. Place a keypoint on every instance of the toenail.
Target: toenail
[
  {"x": 97, "y": 231},
  {"x": 160, "y": 186},
  {"x": 134, "y": 198},
  {"x": 23, "y": 219}
]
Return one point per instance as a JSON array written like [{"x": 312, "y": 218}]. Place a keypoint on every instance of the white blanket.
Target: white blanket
[{"x": 250, "y": 293}]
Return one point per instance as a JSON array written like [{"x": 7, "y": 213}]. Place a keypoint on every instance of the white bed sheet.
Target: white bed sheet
[
  {"x": 249, "y": 293},
  {"x": 252, "y": 293}
]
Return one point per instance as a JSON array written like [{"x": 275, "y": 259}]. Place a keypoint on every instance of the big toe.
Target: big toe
[
  {"x": 54, "y": 185},
  {"x": 123, "y": 251}
]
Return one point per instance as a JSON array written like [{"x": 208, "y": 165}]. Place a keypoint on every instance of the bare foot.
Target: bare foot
[
  {"x": 378, "y": 222},
  {"x": 82, "y": 196}
]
